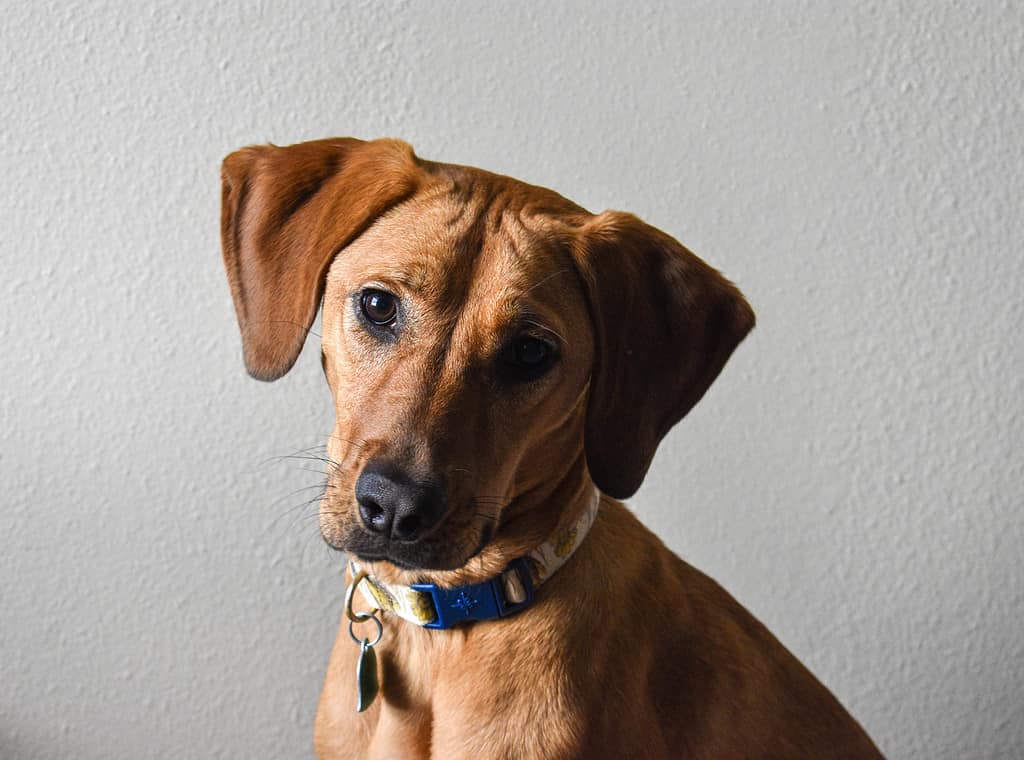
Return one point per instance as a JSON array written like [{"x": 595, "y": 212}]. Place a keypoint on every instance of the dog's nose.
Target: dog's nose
[{"x": 393, "y": 504}]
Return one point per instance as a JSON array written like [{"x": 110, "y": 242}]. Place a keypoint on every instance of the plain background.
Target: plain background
[{"x": 854, "y": 477}]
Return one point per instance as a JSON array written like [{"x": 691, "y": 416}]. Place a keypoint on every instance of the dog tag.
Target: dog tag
[{"x": 366, "y": 676}]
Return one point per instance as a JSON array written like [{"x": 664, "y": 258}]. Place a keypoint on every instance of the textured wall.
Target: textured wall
[{"x": 854, "y": 477}]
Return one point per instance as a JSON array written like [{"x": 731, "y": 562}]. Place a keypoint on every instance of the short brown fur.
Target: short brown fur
[{"x": 629, "y": 651}]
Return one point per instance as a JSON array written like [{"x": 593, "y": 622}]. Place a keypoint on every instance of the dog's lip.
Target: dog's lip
[
  {"x": 401, "y": 560},
  {"x": 386, "y": 558},
  {"x": 397, "y": 558}
]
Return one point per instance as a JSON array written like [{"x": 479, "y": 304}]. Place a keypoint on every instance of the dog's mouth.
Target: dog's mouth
[{"x": 437, "y": 553}]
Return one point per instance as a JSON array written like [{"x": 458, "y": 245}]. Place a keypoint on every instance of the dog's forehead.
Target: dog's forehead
[{"x": 461, "y": 244}]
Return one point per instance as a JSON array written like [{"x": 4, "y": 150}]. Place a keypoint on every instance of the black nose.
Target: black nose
[{"x": 393, "y": 504}]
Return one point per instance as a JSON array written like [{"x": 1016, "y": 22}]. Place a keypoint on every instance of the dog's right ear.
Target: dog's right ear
[{"x": 285, "y": 214}]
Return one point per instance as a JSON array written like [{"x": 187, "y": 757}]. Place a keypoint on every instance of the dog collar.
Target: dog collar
[{"x": 431, "y": 606}]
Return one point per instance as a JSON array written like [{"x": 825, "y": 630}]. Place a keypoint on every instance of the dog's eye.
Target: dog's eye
[
  {"x": 379, "y": 307},
  {"x": 531, "y": 352},
  {"x": 526, "y": 358}
]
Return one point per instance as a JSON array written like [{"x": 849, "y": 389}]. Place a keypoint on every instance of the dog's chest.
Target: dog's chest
[{"x": 451, "y": 696}]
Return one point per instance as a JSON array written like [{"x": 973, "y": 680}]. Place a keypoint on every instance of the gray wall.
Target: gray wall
[{"x": 853, "y": 478}]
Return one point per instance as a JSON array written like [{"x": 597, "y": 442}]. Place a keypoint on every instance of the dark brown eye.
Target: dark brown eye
[
  {"x": 526, "y": 358},
  {"x": 531, "y": 352},
  {"x": 379, "y": 307}
]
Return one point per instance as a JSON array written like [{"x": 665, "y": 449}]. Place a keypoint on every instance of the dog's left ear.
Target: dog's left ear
[
  {"x": 664, "y": 325},
  {"x": 285, "y": 213}
]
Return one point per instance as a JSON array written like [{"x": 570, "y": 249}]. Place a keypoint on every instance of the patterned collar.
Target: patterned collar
[{"x": 512, "y": 590}]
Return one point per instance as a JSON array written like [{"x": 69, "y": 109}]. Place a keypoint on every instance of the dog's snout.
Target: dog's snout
[{"x": 398, "y": 506}]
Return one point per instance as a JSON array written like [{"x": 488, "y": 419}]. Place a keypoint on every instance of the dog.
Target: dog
[{"x": 504, "y": 364}]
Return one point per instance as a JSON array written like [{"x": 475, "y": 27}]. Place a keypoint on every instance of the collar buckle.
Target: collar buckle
[{"x": 480, "y": 601}]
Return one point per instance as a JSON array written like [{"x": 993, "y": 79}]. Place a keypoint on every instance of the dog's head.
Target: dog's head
[{"x": 491, "y": 346}]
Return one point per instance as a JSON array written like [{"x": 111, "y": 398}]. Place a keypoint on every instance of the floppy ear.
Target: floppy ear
[
  {"x": 285, "y": 214},
  {"x": 664, "y": 325}
]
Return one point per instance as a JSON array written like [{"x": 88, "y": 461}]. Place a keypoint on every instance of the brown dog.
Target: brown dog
[{"x": 495, "y": 352}]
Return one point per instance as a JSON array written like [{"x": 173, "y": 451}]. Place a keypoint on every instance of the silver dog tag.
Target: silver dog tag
[{"x": 366, "y": 676}]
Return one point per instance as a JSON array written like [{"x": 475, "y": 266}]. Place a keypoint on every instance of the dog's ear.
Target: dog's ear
[
  {"x": 285, "y": 214},
  {"x": 664, "y": 325}
]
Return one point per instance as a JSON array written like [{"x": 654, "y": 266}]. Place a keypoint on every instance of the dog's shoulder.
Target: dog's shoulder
[{"x": 669, "y": 649}]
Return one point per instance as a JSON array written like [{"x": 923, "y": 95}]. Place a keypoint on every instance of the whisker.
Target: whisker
[
  {"x": 322, "y": 486},
  {"x": 300, "y": 512},
  {"x": 314, "y": 446},
  {"x": 318, "y": 472},
  {"x": 361, "y": 443},
  {"x": 297, "y": 454},
  {"x": 313, "y": 458},
  {"x": 550, "y": 276}
]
